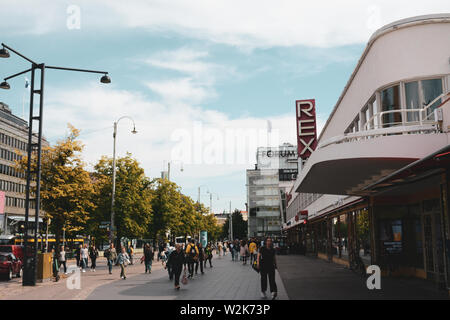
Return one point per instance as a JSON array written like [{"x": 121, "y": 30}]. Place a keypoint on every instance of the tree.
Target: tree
[
  {"x": 66, "y": 189},
  {"x": 240, "y": 227},
  {"x": 133, "y": 197},
  {"x": 210, "y": 224},
  {"x": 166, "y": 204}
]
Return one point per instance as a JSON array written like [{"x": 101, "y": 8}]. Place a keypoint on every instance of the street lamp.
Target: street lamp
[
  {"x": 30, "y": 261},
  {"x": 210, "y": 199},
  {"x": 203, "y": 185},
  {"x": 168, "y": 167},
  {"x": 111, "y": 228}
]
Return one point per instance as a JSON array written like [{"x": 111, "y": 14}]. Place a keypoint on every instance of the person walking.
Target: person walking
[
  {"x": 55, "y": 265},
  {"x": 220, "y": 247},
  {"x": 244, "y": 251},
  {"x": 111, "y": 256},
  {"x": 84, "y": 254},
  {"x": 130, "y": 253},
  {"x": 208, "y": 255},
  {"x": 201, "y": 258},
  {"x": 192, "y": 257},
  {"x": 78, "y": 255},
  {"x": 148, "y": 258},
  {"x": 266, "y": 263},
  {"x": 123, "y": 259},
  {"x": 176, "y": 262},
  {"x": 62, "y": 259},
  {"x": 236, "y": 249},
  {"x": 160, "y": 250},
  {"x": 93, "y": 254},
  {"x": 252, "y": 250}
]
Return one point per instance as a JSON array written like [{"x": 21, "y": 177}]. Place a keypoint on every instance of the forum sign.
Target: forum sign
[{"x": 306, "y": 127}]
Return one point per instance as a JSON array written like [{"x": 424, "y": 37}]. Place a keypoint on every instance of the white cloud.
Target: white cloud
[
  {"x": 250, "y": 23},
  {"x": 94, "y": 108}
]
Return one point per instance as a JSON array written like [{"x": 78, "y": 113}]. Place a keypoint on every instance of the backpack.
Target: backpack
[{"x": 193, "y": 252}]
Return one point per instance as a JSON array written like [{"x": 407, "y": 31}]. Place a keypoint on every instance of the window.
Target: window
[
  {"x": 390, "y": 101},
  {"x": 412, "y": 100},
  {"x": 431, "y": 89}
]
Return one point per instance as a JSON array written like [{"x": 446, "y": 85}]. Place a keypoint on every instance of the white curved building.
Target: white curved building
[{"x": 393, "y": 111}]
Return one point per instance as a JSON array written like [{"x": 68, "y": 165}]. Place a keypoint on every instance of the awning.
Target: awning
[
  {"x": 22, "y": 218},
  {"x": 415, "y": 171}
]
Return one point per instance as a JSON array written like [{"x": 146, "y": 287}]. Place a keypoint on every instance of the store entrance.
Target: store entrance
[{"x": 433, "y": 242}]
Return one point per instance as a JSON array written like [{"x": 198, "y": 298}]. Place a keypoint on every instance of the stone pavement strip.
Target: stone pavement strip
[
  {"x": 227, "y": 280},
  {"x": 50, "y": 290}
]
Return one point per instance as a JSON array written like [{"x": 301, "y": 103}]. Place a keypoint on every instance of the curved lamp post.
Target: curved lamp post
[
  {"x": 111, "y": 228},
  {"x": 30, "y": 259}
]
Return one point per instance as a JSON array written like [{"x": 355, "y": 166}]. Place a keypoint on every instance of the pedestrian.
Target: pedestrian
[
  {"x": 130, "y": 253},
  {"x": 232, "y": 251},
  {"x": 208, "y": 255},
  {"x": 93, "y": 254},
  {"x": 148, "y": 258},
  {"x": 160, "y": 250},
  {"x": 168, "y": 266},
  {"x": 123, "y": 259},
  {"x": 111, "y": 256},
  {"x": 244, "y": 251},
  {"x": 220, "y": 246},
  {"x": 236, "y": 250},
  {"x": 176, "y": 262},
  {"x": 62, "y": 259},
  {"x": 84, "y": 253},
  {"x": 55, "y": 265},
  {"x": 252, "y": 250},
  {"x": 266, "y": 263},
  {"x": 78, "y": 255},
  {"x": 201, "y": 258},
  {"x": 192, "y": 257}
]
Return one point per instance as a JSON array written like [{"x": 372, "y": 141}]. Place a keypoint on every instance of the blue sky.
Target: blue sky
[{"x": 178, "y": 65}]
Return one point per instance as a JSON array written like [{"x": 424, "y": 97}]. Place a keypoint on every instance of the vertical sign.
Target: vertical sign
[
  {"x": 204, "y": 238},
  {"x": 306, "y": 127}
]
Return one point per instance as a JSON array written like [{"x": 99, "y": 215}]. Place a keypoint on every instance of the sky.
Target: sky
[{"x": 201, "y": 79}]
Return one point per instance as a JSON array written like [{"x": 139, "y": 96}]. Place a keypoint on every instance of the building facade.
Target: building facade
[
  {"x": 13, "y": 145},
  {"x": 274, "y": 174},
  {"x": 375, "y": 190}
]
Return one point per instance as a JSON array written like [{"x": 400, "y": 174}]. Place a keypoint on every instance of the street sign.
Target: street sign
[
  {"x": 306, "y": 127},
  {"x": 102, "y": 226},
  {"x": 105, "y": 222}
]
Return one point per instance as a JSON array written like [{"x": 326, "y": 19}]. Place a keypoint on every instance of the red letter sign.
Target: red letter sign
[{"x": 306, "y": 127}]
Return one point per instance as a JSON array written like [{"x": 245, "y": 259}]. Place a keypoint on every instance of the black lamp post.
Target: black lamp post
[{"x": 30, "y": 263}]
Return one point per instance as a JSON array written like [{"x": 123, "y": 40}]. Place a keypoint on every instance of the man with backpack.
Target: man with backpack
[{"x": 192, "y": 254}]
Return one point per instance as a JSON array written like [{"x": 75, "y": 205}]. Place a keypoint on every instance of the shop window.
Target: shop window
[
  {"x": 390, "y": 101},
  {"x": 363, "y": 235},
  {"x": 391, "y": 237}
]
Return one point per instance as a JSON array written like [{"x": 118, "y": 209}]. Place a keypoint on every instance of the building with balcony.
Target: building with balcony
[
  {"x": 274, "y": 174},
  {"x": 376, "y": 187}
]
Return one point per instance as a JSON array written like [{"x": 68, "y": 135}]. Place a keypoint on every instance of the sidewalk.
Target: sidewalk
[
  {"x": 313, "y": 278},
  {"x": 50, "y": 290},
  {"x": 227, "y": 280}
]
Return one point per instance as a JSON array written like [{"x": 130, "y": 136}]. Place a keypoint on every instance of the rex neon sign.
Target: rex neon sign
[{"x": 306, "y": 127}]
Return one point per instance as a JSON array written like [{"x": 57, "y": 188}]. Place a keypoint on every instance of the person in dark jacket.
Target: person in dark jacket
[
  {"x": 93, "y": 254},
  {"x": 148, "y": 258},
  {"x": 267, "y": 263},
  {"x": 78, "y": 255},
  {"x": 176, "y": 262},
  {"x": 201, "y": 258}
]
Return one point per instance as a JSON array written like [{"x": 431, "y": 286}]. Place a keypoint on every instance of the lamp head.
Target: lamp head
[
  {"x": 105, "y": 79},
  {"x": 4, "y": 53},
  {"x": 134, "y": 130},
  {"x": 5, "y": 85}
]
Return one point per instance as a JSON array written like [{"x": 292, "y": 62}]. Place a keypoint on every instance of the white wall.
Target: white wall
[{"x": 413, "y": 52}]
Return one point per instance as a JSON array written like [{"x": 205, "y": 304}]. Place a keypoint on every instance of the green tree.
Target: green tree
[
  {"x": 133, "y": 197},
  {"x": 66, "y": 190},
  {"x": 166, "y": 203},
  {"x": 240, "y": 226}
]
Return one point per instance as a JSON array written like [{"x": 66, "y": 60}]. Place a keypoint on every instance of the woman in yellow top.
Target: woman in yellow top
[{"x": 252, "y": 250}]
